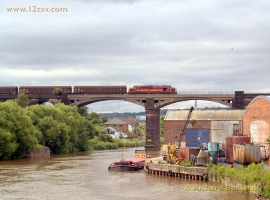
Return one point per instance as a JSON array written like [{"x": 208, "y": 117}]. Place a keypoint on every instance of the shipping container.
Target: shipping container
[
  {"x": 230, "y": 141},
  {"x": 196, "y": 137},
  {"x": 100, "y": 89},
  {"x": 185, "y": 152},
  {"x": 8, "y": 90},
  {"x": 246, "y": 153},
  {"x": 43, "y": 89},
  {"x": 202, "y": 157}
]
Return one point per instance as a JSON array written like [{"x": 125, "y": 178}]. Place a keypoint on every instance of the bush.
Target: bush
[
  {"x": 252, "y": 174},
  {"x": 104, "y": 141},
  {"x": 185, "y": 163}
]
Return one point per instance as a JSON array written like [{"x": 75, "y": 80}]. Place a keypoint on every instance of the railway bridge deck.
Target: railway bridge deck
[{"x": 151, "y": 102}]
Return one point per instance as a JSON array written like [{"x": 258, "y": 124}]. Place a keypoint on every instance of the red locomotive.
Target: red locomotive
[{"x": 152, "y": 89}]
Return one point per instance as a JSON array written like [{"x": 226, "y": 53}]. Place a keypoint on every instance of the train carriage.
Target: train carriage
[
  {"x": 43, "y": 89},
  {"x": 100, "y": 90},
  {"x": 8, "y": 90}
]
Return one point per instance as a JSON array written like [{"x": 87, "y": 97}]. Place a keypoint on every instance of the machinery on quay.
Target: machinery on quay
[
  {"x": 182, "y": 134},
  {"x": 171, "y": 151},
  {"x": 213, "y": 149}
]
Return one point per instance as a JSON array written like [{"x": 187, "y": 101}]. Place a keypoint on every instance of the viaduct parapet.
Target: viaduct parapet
[{"x": 151, "y": 102}]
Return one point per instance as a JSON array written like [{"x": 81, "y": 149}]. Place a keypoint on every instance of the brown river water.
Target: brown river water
[{"x": 85, "y": 175}]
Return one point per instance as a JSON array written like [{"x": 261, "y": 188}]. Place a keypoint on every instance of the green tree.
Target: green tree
[
  {"x": 59, "y": 125},
  {"x": 105, "y": 138},
  {"x": 22, "y": 100},
  {"x": 94, "y": 115},
  {"x": 17, "y": 133},
  {"x": 141, "y": 128},
  {"x": 104, "y": 119},
  {"x": 8, "y": 144},
  {"x": 83, "y": 111},
  {"x": 57, "y": 91},
  {"x": 162, "y": 125},
  {"x": 86, "y": 132},
  {"x": 94, "y": 118}
]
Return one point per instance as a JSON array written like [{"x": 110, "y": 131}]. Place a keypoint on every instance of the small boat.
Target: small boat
[{"x": 133, "y": 164}]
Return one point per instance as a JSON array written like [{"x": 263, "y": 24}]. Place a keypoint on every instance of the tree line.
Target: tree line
[{"x": 61, "y": 128}]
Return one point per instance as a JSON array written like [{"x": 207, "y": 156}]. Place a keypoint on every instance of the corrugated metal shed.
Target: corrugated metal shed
[{"x": 205, "y": 115}]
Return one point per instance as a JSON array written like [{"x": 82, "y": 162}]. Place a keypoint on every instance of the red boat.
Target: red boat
[
  {"x": 130, "y": 164},
  {"x": 124, "y": 165}
]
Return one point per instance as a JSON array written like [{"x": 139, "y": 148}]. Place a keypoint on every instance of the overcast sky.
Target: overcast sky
[{"x": 193, "y": 45}]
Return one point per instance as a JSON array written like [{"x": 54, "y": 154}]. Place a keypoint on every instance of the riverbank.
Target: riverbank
[
  {"x": 103, "y": 143},
  {"x": 253, "y": 179},
  {"x": 160, "y": 167}
]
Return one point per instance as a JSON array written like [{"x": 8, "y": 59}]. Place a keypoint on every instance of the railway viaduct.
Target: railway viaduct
[{"x": 151, "y": 102}]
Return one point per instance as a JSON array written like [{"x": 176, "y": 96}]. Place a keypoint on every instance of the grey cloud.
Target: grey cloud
[{"x": 186, "y": 44}]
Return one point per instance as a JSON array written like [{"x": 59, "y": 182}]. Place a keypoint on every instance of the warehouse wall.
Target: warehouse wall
[
  {"x": 256, "y": 120},
  {"x": 173, "y": 128},
  {"x": 220, "y": 130}
]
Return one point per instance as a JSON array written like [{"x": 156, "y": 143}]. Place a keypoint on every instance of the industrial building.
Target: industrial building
[
  {"x": 256, "y": 120},
  {"x": 251, "y": 125},
  {"x": 203, "y": 126}
]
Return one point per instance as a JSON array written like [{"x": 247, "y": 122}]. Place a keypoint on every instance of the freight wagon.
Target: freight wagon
[
  {"x": 100, "y": 90},
  {"x": 8, "y": 90},
  {"x": 152, "y": 89},
  {"x": 43, "y": 89}
]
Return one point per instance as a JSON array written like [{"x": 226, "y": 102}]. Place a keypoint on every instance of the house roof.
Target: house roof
[
  {"x": 205, "y": 115},
  {"x": 132, "y": 122},
  {"x": 258, "y": 97},
  {"x": 115, "y": 121}
]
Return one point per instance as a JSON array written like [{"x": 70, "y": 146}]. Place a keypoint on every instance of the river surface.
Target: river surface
[{"x": 85, "y": 175}]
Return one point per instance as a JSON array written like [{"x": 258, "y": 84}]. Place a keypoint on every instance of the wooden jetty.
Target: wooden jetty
[{"x": 193, "y": 172}]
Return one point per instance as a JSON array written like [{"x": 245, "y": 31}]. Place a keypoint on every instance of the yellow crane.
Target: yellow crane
[{"x": 172, "y": 150}]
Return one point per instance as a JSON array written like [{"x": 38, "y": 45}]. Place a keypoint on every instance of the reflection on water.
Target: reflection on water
[{"x": 85, "y": 175}]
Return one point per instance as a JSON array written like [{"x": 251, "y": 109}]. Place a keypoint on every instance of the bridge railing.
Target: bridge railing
[
  {"x": 209, "y": 92},
  {"x": 267, "y": 93}
]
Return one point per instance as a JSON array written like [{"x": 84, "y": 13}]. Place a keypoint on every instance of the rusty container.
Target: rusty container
[
  {"x": 100, "y": 89},
  {"x": 43, "y": 89},
  {"x": 246, "y": 153},
  {"x": 236, "y": 153},
  {"x": 8, "y": 90},
  {"x": 185, "y": 152},
  {"x": 202, "y": 157},
  {"x": 230, "y": 141}
]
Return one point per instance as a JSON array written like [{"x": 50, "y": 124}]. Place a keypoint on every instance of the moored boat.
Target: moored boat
[
  {"x": 125, "y": 165},
  {"x": 130, "y": 164}
]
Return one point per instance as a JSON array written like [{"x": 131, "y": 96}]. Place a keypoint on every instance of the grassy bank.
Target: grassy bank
[
  {"x": 100, "y": 144},
  {"x": 253, "y": 174}
]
